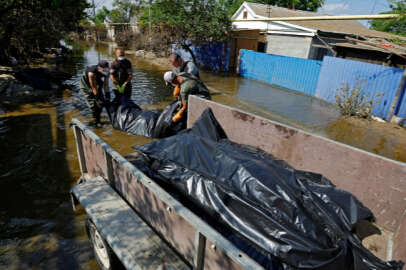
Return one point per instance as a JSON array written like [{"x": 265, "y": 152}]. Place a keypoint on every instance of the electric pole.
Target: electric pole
[
  {"x": 149, "y": 15},
  {"x": 94, "y": 9},
  {"x": 94, "y": 18}
]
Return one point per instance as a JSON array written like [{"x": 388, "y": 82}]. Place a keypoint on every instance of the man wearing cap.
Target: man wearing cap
[
  {"x": 121, "y": 75},
  {"x": 93, "y": 80},
  {"x": 180, "y": 65},
  {"x": 185, "y": 84}
]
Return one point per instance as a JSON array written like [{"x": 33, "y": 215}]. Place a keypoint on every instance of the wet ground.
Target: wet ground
[{"x": 38, "y": 163}]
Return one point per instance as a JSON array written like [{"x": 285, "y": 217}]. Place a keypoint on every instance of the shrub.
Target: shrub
[
  {"x": 352, "y": 102},
  {"x": 158, "y": 42},
  {"x": 123, "y": 36}
]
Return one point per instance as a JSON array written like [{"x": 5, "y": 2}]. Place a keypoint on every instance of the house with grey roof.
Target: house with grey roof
[{"x": 308, "y": 39}]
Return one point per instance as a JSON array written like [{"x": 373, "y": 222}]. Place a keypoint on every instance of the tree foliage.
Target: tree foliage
[
  {"x": 308, "y": 5},
  {"x": 28, "y": 26},
  {"x": 394, "y": 26},
  {"x": 101, "y": 16},
  {"x": 191, "y": 22},
  {"x": 124, "y": 10}
]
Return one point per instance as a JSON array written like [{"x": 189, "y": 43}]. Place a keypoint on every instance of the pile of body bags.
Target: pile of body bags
[
  {"x": 127, "y": 116},
  {"x": 285, "y": 218}
]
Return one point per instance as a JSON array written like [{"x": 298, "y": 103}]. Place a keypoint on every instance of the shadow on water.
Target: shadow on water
[{"x": 39, "y": 228}]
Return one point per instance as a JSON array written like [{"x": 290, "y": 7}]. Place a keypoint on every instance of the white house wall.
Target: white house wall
[
  {"x": 270, "y": 26},
  {"x": 277, "y": 27},
  {"x": 240, "y": 14},
  {"x": 294, "y": 46}
]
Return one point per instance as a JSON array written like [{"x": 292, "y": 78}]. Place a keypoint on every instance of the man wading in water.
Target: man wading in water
[
  {"x": 121, "y": 74},
  {"x": 91, "y": 85}
]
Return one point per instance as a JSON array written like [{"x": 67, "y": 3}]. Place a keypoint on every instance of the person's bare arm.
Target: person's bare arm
[
  {"x": 112, "y": 72},
  {"x": 180, "y": 113},
  {"x": 92, "y": 81},
  {"x": 113, "y": 79}
]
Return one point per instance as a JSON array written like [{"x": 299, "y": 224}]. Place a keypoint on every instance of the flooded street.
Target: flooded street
[
  {"x": 38, "y": 166},
  {"x": 38, "y": 163}
]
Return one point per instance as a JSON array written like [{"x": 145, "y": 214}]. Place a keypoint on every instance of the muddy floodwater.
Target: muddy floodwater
[{"x": 38, "y": 163}]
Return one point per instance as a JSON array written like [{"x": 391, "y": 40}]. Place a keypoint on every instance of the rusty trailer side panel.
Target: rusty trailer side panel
[
  {"x": 174, "y": 222},
  {"x": 176, "y": 230},
  {"x": 380, "y": 183}
]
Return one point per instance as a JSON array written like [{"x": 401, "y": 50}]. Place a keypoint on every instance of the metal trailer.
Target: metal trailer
[{"x": 135, "y": 221}]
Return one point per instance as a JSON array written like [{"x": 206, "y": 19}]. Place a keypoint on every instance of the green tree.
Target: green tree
[
  {"x": 124, "y": 10},
  {"x": 191, "y": 22},
  {"x": 29, "y": 26},
  {"x": 308, "y": 5},
  {"x": 394, "y": 26},
  {"x": 101, "y": 16}
]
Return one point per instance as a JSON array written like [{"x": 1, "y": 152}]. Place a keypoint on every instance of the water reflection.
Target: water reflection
[{"x": 310, "y": 112}]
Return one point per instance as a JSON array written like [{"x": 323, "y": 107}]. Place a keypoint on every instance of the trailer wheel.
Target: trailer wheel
[{"x": 105, "y": 257}]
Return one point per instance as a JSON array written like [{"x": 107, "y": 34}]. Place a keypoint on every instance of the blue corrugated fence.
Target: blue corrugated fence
[
  {"x": 213, "y": 56},
  {"x": 325, "y": 79},
  {"x": 401, "y": 106},
  {"x": 372, "y": 80},
  {"x": 288, "y": 72}
]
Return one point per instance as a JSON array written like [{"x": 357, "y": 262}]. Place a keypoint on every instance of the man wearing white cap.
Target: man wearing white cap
[
  {"x": 94, "y": 79},
  {"x": 185, "y": 84}
]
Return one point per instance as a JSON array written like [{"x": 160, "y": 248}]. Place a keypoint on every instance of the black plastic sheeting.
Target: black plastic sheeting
[
  {"x": 127, "y": 116},
  {"x": 298, "y": 217}
]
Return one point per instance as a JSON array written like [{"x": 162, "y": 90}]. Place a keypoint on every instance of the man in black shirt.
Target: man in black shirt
[
  {"x": 121, "y": 75},
  {"x": 93, "y": 80}
]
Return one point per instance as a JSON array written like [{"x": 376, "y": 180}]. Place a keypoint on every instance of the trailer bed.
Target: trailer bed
[
  {"x": 133, "y": 241},
  {"x": 194, "y": 240},
  {"x": 201, "y": 246}
]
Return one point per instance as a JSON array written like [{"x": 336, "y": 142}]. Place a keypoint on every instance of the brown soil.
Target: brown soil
[
  {"x": 161, "y": 63},
  {"x": 384, "y": 138}
]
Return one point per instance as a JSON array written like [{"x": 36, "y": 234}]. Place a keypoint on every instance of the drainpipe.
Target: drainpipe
[{"x": 149, "y": 17}]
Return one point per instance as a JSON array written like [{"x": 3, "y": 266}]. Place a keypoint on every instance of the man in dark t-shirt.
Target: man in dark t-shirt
[
  {"x": 93, "y": 80},
  {"x": 121, "y": 74}
]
